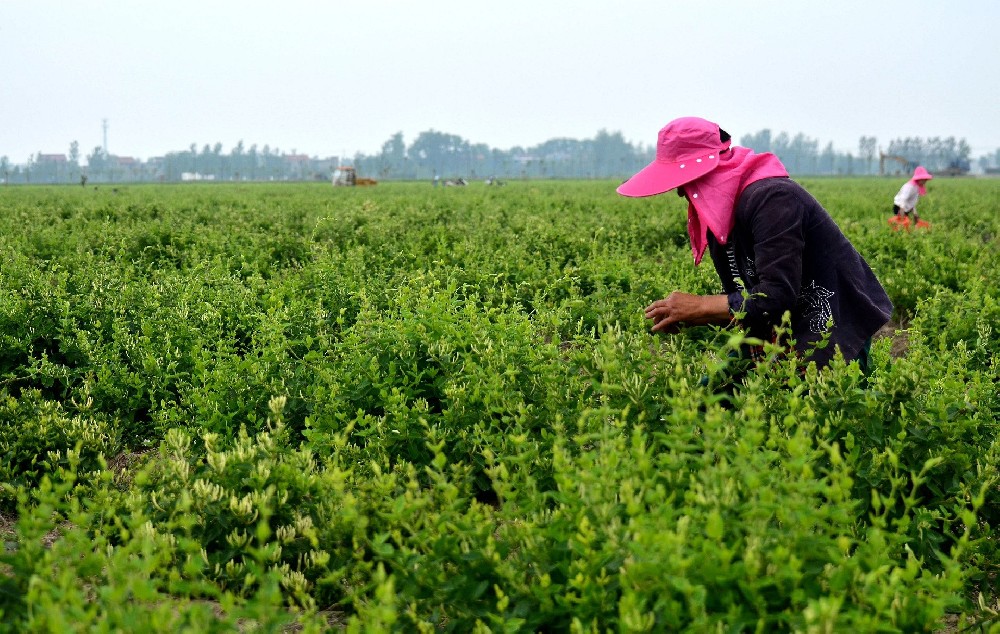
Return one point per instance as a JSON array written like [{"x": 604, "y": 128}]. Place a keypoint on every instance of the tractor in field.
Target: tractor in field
[
  {"x": 345, "y": 176},
  {"x": 957, "y": 167}
]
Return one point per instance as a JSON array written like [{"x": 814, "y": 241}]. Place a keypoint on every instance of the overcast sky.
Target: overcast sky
[{"x": 337, "y": 77}]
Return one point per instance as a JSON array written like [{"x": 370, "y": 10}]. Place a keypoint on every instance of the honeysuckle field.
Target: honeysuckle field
[{"x": 289, "y": 407}]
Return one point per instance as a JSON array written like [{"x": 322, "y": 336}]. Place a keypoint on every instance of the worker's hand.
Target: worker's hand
[{"x": 679, "y": 310}]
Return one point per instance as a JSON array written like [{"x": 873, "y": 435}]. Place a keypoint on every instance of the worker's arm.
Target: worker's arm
[{"x": 683, "y": 309}]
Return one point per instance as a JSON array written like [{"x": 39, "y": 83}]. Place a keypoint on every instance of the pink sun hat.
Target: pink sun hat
[
  {"x": 920, "y": 174},
  {"x": 686, "y": 149}
]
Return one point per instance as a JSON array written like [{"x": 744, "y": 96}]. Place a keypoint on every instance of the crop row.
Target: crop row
[{"x": 410, "y": 408}]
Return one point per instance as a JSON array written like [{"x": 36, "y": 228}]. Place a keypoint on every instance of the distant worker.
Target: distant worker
[
  {"x": 905, "y": 202},
  {"x": 775, "y": 248}
]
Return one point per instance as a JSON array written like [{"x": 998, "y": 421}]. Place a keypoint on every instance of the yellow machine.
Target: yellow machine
[
  {"x": 905, "y": 165},
  {"x": 957, "y": 167},
  {"x": 345, "y": 176}
]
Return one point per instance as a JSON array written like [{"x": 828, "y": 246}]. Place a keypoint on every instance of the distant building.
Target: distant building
[
  {"x": 155, "y": 168},
  {"x": 124, "y": 162},
  {"x": 324, "y": 167},
  {"x": 49, "y": 168},
  {"x": 195, "y": 176},
  {"x": 52, "y": 159},
  {"x": 298, "y": 165}
]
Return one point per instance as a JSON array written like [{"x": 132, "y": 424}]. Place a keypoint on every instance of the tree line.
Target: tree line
[
  {"x": 440, "y": 154},
  {"x": 609, "y": 155}
]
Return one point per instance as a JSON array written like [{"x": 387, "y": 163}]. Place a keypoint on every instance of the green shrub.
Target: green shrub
[
  {"x": 36, "y": 435},
  {"x": 407, "y": 410}
]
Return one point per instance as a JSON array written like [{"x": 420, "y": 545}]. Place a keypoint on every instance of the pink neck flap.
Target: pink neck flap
[
  {"x": 921, "y": 187},
  {"x": 712, "y": 198}
]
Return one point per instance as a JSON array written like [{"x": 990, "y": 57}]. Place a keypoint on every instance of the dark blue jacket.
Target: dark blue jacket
[{"x": 788, "y": 254}]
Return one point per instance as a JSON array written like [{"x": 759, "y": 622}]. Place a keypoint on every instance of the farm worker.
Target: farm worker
[
  {"x": 905, "y": 202},
  {"x": 775, "y": 248}
]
